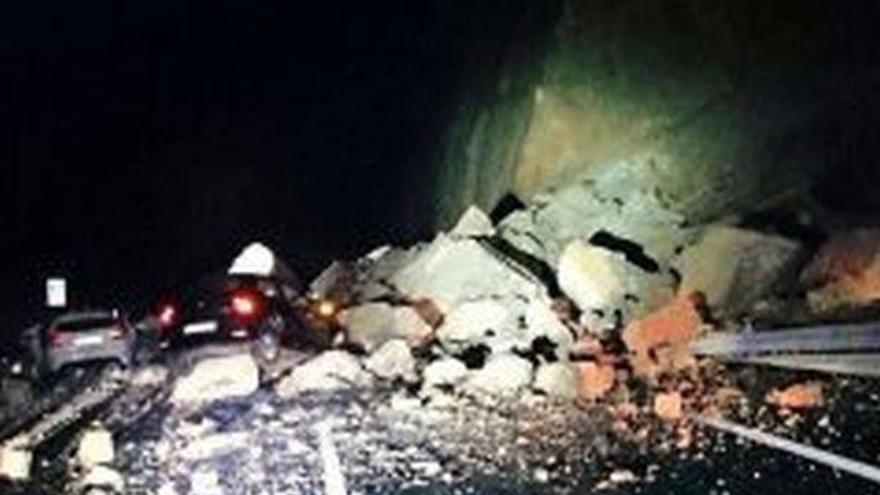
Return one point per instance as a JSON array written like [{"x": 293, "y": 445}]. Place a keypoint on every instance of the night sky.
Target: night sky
[{"x": 145, "y": 142}]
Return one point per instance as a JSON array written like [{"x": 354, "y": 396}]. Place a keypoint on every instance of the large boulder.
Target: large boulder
[
  {"x": 605, "y": 286},
  {"x": 392, "y": 360},
  {"x": 735, "y": 267},
  {"x": 504, "y": 375},
  {"x": 473, "y": 223},
  {"x": 615, "y": 200},
  {"x": 371, "y": 325},
  {"x": 218, "y": 378},
  {"x": 659, "y": 342},
  {"x": 485, "y": 321},
  {"x": 332, "y": 370},
  {"x": 845, "y": 272},
  {"x": 560, "y": 380},
  {"x": 452, "y": 271}
]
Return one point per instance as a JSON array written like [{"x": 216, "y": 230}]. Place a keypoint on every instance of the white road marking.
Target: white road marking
[
  {"x": 814, "y": 454},
  {"x": 334, "y": 480}
]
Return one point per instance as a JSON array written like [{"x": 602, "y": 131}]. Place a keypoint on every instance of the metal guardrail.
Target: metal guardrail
[{"x": 832, "y": 348}]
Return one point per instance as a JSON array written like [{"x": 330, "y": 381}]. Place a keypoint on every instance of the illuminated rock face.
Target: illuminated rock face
[{"x": 712, "y": 117}]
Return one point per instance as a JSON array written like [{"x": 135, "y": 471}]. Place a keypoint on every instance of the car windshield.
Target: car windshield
[{"x": 87, "y": 323}]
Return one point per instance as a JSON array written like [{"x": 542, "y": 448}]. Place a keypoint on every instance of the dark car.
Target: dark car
[
  {"x": 79, "y": 337},
  {"x": 229, "y": 308}
]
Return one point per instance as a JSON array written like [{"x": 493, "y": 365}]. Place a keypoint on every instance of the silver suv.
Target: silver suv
[{"x": 80, "y": 337}]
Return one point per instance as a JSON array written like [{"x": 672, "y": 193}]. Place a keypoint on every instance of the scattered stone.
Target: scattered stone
[
  {"x": 15, "y": 461},
  {"x": 215, "y": 445},
  {"x": 95, "y": 447},
  {"x": 595, "y": 379},
  {"x": 392, "y": 360},
  {"x": 541, "y": 475},
  {"x": 150, "y": 376},
  {"x": 559, "y": 380},
  {"x": 622, "y": 476},
  {"x": 402, "y": 402},
  {"x": 473, "y": 223},
  {"x": 103, "y": 477},
  {"x": 444, "y": 372},
  {"x": 798, "y": 396},
  {"x": 331, "y": 370},
  {"x": 668, "y": 406},
  {"x": 206, "y": 481},
  {"x": 218, "y": 378},
  {"x": 503, "y": 375},
  {"x": 659, "y": 341},
  {"x": 734, "y": 267}
]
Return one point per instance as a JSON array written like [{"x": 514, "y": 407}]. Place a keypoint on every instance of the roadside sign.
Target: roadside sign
[{"x": 56, "y": 292}]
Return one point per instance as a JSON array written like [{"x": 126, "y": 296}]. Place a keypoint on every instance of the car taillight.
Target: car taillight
[
  {"x": 56, "y": 337},
  {"x": 167, "y": 315},
  {"x": 244, "y": 304}
]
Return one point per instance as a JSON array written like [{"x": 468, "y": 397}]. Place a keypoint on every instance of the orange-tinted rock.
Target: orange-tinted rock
[
  {"x": 659, "y": 341},
  {"x": 586, "y": 346},
  {"x": 596, "y": 380},
  {"x": 727, "y": 397},
  {"x": 799, "y": 396},
  {"x": 668, "y": 405},
  {"x": 845, "y": 271}
]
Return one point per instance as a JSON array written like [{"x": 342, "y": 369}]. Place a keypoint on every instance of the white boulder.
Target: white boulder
[
  {"x": 473, "y": 223},
  {"x": 95, "y": 447},
  {"x": 735, "y": 267},
  {"x": 392, "y": 360},
  {"x": 150, "y": 376},
  {"x": 452, "y": 271},
  {"x": 445, "y": 371},
  {"x": 558, "y": 379},
  {"x": 484, "y": 321},
  {"x": 503, "y": 375},
  {"x": 15, "y": 461},
  {"x": 218, "y": 378},
  {"x": 602, "y": 282},
  {"x": 332, "y": 370},
  {"x": 542, "y": 321}
]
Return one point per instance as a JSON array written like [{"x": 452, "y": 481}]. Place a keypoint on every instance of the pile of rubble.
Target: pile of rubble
[
  {"x": 585, "y": 299},
  {"x": 569, "y": 298}
]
